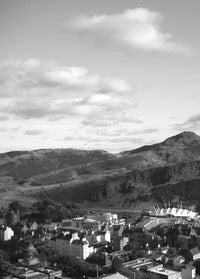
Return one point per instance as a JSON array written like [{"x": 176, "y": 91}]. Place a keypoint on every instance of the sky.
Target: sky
[{"x": 88, "y": 74}]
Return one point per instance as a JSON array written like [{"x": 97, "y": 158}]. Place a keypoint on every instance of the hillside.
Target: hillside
[{"x": 161, "y": 171}]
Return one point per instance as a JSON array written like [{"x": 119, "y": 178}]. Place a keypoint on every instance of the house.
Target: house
[
  {"x": 188, "y": 272},
  {"x": 148, "y": 224},
  {"x": 118, "y": 243},
  {"x": 195, "y": 254},
  {"x": 75, "y": 222},
  {"x": 6, "y": 233},
  {"x": 118, "y": 230},
  {"x": 136, "y": 235},
  {"x": 30, "y": 256},
  {"x": 91, "y": 224},
  {"x": 138, "y": 263},
  {"x": 50, "y": 227},
  {"x": 114, "y": 276},
  {"x": 46, "y": 273},
  {"x": 165, "y": 273},
  {"x": 70, "y": 244},
  {"x": 103, "y": 236}
]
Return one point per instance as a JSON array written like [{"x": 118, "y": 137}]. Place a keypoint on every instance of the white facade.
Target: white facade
[
  {"x": 71, "y": 245},
  {"x": 6, "y": 233},
  {"x": 103, "y": 236}
]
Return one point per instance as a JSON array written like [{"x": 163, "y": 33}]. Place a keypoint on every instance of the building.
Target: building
[
  {"x": 195, "y": 254},
  {"x": 41, "y": 273},
  {"x": 6, "y": 233},
  {"x": 165, "y": 273},
  {"x": 70, "y": 244},
  {"x": 30, "y": 256},
  {"x": 148, "y": 224},
  {"x": 138, "y": 263},
  {"x": 91, "y": 225},
  {"x": 114, "y": 276},
  {"x": 51, "y": 227},
  {"x": 31, "y": 274},
  {"x": 118, "y": 243},
  {"x": 103, "y": 236},
  {"x": 75, "y": 222},
  {"x": 175, "y": 212},
  {"x": 188, "y": 272}
]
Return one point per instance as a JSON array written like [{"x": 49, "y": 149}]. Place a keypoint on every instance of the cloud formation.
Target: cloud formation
[
  {"x": 3, "y": 118},
  {"x": 137, "y": 28},
  {"x": 191, "y": 123},
  {"x": 35, "y": 89},
  {"x": 33, "y": 132},
  {"x": 3, "y": 129}
]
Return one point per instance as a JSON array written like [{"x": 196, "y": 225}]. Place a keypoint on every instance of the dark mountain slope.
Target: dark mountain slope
[
  {"x": 98, "y": 176},
  {"x": 182, "y": 147},
  {"x": 25, "y": 164}
]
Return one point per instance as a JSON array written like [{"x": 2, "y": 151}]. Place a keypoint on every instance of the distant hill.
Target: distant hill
[
  {"x": 149, "y": 172},
  {"x": 182, "y": 147}
]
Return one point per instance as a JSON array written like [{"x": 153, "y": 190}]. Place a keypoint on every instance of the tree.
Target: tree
[
  {"x": 77, "y": 268},
  {"x": 15, "y": 205},
  {"x": 96, "y": 258},
  {"x": 117, "y": 264}
]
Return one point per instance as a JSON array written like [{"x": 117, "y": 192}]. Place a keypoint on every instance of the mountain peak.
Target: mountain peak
[{"x": 185, "y": 137}]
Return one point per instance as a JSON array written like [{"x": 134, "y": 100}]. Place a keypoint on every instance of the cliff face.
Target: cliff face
[
  {"x": 161, "y": 184},
  {"x": 161, "y": 171}
]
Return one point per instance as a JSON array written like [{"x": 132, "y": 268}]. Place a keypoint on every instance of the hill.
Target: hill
[{"x": 161, "y": 172}]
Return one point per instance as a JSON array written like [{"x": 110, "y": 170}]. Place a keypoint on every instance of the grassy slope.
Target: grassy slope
[{"x": 92, "y": 175}]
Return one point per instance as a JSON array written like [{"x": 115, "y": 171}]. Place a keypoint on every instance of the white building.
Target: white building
[
  {"x": 165, "y": 273},
  {"x": 6, "y": 233},
  {"x": 71, "y": 245},
  {"x": 103, "y": 236}
]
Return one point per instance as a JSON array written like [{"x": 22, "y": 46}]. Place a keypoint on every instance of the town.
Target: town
[{"x": 55, "y": 242}]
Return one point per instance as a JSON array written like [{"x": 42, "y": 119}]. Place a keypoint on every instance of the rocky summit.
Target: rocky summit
[{"x": 159, "y": 172}]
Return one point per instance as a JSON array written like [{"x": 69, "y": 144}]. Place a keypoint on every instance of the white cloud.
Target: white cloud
[
  {"x": 35, "y": 89},
  {"x": 137, "y": 28},
  {"x": 3, "y": 118},
  {"x": 3, "y": 129},
  {"x": 192, "y": 123},
  {"x": 33, "y": 132}
]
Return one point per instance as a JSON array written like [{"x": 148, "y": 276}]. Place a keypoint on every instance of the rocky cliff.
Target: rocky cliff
[{"x": 160, "y": 172}]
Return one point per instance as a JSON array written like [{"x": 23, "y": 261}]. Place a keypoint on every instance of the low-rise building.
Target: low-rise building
[
  {"x": 138, "y": 263},
  {"x": 188, "y": 272},
  {"x": 165, "y": 273},
  {"x": 6, "y": 233},
  {"x": 118, "y": 243},
  {"x": 70, "y": 244},
  {"x": 195, "y": 254},
  {"x": 113, "y": 276},
  {"x": 103, "y": 236},
  {"x": 92, "y": 225}
]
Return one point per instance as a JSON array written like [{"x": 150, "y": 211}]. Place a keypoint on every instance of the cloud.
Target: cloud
[
  {"x": 137, "y": 28},
  {"x": 36, "y": 89},
  {"x": 113, "y": 139},
  {"x": 3, "y": 118},
  {"x": 191, "y": 123},
  {"x": 3, "y": 129},
  {"x": 33, "y": 132}
]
